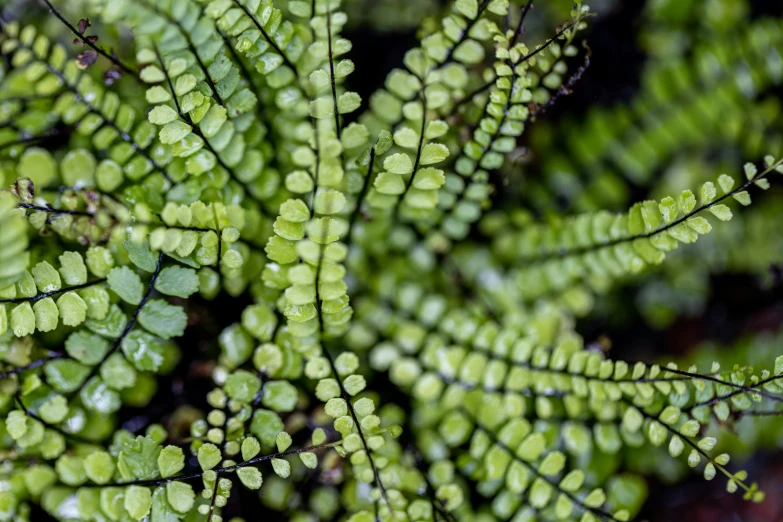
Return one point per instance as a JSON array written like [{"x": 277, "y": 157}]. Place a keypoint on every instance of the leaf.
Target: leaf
[
  {"x": 86, "y": 348},
  {"x": 348, "y": 102},
  {"x": 283, "y": 441},
  {"x": 209, "y": 456},
  {"x": 707, "y": 193},
  {"x": 213, "y": 120},
  {"x": 138, "y": 501},
  {"x": 399, "y": 163},
  {"x": 72, "y": 268},
  {"x": 163, "y": 319},
  {"x": 690, "y": 428},
  {"x": 469, "y": 8},
  {"x": 250, "y": 448},
  {"x": 242, "y": 386},
  {"x": 72, "y": 308},
  {"x": 173, "y": 132},
  {"x": 180, "y": 495},
  {"x": 171, "y": 461},
  {"x": 144, "y": 351},
  {"x": 687, "y": 201},
  {"x": 309, "y": 459},
  {"x": 177, "y": 281},
  {"x": 280, "y": 396},
  {"x": 99, "y": 467},
  {"x": 54, "y": 410},
  {"x": 699, "y": 224},
  {"x": 126, "y": 284},
  {"x": 281, "y": 468},
  {"x": 65, "y": 375},
  {"x": 532, "y": 447},
  {"x": 46, "y": 315},
  {"x": 138, "y": 459},
  {"x": 16, "y": 424},
  {"x": 726, "y": 183},
  {"x": 573, "y": 481},
  {"x": 162, "y": 114},
  {"x": 99, "y": 398},
  {"x": 22, "y": 320},
  {"x": 260, "y": 321},
  {"x": 595, "y": 498},
  {"x": 47, "y": 279},
  {"x": 552, "y": 464},
  {"x": 433, "y": 153},
  {"x": 743, "y": 197},
  {"x": 721, "y": 212},
  {"x": 251, "y": 477}
]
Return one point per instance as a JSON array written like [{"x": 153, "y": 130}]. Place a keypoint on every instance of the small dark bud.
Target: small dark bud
[
  {"x": 111, "y": 76},
  {"x": 24, "y": 189},
  {"x": 84, "y": 23},
  {"x": 86, "y": 58}
]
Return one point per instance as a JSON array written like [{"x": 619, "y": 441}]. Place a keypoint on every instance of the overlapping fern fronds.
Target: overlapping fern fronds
[{"x": 222, "y": 156}]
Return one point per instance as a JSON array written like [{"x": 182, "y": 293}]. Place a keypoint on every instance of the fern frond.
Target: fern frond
[{"x": 599, "y": 248}]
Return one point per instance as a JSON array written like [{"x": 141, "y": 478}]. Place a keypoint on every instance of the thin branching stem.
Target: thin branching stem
[
  {"x": 600, "y": 513},
  {"x": 488, "y": 85},
  {"x": 188, "y": 41},
  {"x": 53, "y": 356},
  {"x": 227, "y": 469},
  {"x": 362, "y": 195},
  {"x": 53, "y": 293},
  {"x": 465, "y": 33},
  {"x": 86, "y": 41},
  {"x": 128, "y": 326},
  {"x": 568, "y": 252},
  {"x": 197, "y": 131},
  {"x": 337, "y": 125},
  {"x": 269, "y": 40}
]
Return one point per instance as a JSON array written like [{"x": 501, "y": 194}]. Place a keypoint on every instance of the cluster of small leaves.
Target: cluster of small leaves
[{"x": 228, "y": 155}]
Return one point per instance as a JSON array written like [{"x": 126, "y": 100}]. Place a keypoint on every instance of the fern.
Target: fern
[{"x": 391, "y": 349}]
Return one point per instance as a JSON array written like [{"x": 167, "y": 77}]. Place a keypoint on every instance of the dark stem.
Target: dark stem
[
  {"x": 521, "y": 25},
  {"x": 337, "y": 127},
  {"x": 197, "y": 131},
  {"x": 113, "y": 59},
  {"x": 32, "y": 365},
  {"x": 464, "y": 36},
  {"x": 52, "y": 293},
  {"x": 75, "y": 438},
  {"x": 418, "y": 152},
  {"x": 128, "y": 327},
  {"x": 269, "y": 40},
  {"x": 191, "y": 476},
  {"x": 363, "y": 194},
  {"x": 58, "y": 211},
  {"x": 176, "y": 23},
  {"x": 584, "y": 250},
  {"x": 523, "y": 59}
]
